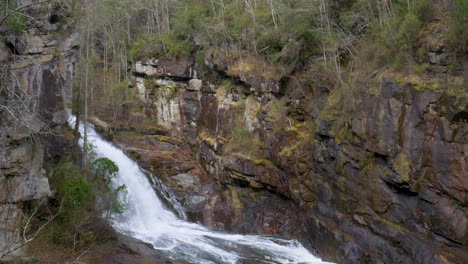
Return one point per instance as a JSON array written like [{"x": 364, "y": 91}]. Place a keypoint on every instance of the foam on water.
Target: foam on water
[{"x": 147, "y": 219}]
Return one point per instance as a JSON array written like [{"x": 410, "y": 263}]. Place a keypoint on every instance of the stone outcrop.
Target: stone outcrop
[
  {"x": 259, "y": 76},
  {"x": 35, "y": 97},
  {"x": 383, "y": 183},
  {"x": 177, "y": 68},
  {"x": 133, "y": 251}
]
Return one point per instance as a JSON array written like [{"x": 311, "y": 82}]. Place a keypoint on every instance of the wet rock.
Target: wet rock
[
  {"x": 195, "y": 203},
  {"x": 102, "y": 127},
  {"x": 135, "y": 251},
  {"x": 185, "y": 179}
]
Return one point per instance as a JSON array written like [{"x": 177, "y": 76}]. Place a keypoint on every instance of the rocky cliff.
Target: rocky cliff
[
  {"x": 379, "y": 181},
  {"x": 380, "y": 178},
  {"x": 37, "y": 66}
]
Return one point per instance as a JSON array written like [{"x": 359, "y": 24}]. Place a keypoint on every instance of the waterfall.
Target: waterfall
[
  {"x": 147, "y": 219},
  {"x": 167, "y": 195}
]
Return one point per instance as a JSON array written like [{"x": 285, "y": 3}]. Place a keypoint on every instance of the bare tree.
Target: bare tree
[
  {"x": 16, "y": 104},
  {"x": 9, "y": 9}
]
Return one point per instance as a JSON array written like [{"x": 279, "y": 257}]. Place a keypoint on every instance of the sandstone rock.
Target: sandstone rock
[
  {"x": 70, "y": 43},
  {"x": 4, "y": 52},
  {"x": 168, "y": 112},
  {"x": 24, "y": 62},
  {"x": 195, "y": 85},
  {"x": 180, "y": 68},
  {"x": 145, "y": 69},
  {"x": 102, "y": 127},
  {"x": 28, "y": 44},
  {"x": 21, "y": 174},
  {"x": 261, "y": 78}
]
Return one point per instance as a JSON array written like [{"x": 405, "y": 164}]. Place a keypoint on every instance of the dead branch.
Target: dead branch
[{"x": 16, "y": 10}]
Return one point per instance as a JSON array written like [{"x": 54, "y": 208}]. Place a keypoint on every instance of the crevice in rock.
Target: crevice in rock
[
  {"x": 388, "y": 207},
  {"x": 324, "y": 137},
  {"x": 283, "y": 83},
  {"x": 461, "y": 117},
  {"x": 12, "y": 48},
  {"x": 54, "y": 19},
  {"x": 402, "y": 188},
  {"x": 446, "y": 238},
  {"x": 240, "y": 183},
  {"x": 221, "y": 76},
  {"x": 164, "y": 77},
  {"x": 381, "y": 157}
]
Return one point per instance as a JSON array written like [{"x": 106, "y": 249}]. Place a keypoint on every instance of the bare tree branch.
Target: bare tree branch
[{"x": 9, "y": 12}]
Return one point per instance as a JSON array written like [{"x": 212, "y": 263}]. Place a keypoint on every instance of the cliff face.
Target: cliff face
[
  {"x": 380, "y": 180},
  {"x": 382, "y": 183},
  {"x": 37, "y": 69}
]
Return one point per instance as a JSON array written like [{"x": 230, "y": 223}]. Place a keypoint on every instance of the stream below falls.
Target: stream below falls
[{"x": 147, "y": 218}]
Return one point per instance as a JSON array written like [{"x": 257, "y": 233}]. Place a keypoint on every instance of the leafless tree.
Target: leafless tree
[
  {"x": 17, "y": 105},
  {"x": 9, "y": 9}
]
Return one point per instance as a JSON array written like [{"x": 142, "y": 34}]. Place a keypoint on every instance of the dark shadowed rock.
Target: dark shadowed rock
[
  {"x": 176, "y": 68},
  {"x": 135, "y": 251}
]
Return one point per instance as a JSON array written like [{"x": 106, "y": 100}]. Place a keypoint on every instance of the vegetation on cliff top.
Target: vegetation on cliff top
[
  {"x": 343, "y": 47},
  {"x": 346, "y": 45},
  {"x": 12, "y": 20}
]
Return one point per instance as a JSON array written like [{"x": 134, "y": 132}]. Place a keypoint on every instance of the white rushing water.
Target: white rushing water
[{"x": 147, "y": 219}]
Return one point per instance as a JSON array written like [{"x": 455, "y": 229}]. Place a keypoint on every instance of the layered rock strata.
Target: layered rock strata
[
  {"x": 383, "y": 183},
  {"x": 38, "y": 66}
]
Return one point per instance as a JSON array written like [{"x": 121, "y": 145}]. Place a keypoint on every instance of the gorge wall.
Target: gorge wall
[
  {"x": 35, "y": 96},
  {"x": 374, "y": 178},
  {"x": 381, "y": 181}
]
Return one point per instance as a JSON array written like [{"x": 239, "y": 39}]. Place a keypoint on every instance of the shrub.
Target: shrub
[
  {"x": 83, "y": 201},
  {"x": 76, "y": 195},
  {"x": 270, "y": 42},
  {"x": 393, "y": 42},
  {"x": 105, "y": 168},
  {"x": 14, "y": 21},
  {"x": 457, "y": 37},
  {"x": 75, "y": 191},
  {"x": 408, "y": 30},
  {"x": 161, "y": 46},
  {"x": 112, "y": 197},
  {"x": 176, "y": 47},
  {"x": 146, "y": 47},
  {"x": 241, "y": 140}
]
